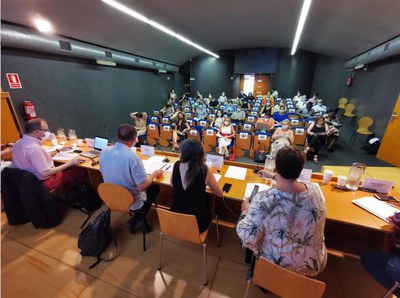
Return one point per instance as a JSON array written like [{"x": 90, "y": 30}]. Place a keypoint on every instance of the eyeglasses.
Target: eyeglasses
[{"x": 43, "y": 129}]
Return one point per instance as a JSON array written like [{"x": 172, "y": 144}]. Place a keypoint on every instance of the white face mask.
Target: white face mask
[
  {"x": 219, "y": 114},
  {"x": 226, "y": 123},
  {"x": 239, "y": 110},
  {"x": 285, "y": 126}
]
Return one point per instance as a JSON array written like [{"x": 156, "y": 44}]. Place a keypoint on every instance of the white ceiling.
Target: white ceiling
[{"x": 340, "y": 28}]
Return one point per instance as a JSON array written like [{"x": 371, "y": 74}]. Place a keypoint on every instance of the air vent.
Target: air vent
[
  {"x": 65, "y": 45},
  {"x": 386, "y": 48},
  {"x": 108, "y": 54}
]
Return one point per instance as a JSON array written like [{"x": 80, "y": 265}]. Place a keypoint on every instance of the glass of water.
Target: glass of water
[
  {"x": 269, "y": 166},
  {"x": 355, "y": 175}
]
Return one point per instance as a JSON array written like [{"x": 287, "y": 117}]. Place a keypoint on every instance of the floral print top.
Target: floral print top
[{"x": 287, "y": 229}]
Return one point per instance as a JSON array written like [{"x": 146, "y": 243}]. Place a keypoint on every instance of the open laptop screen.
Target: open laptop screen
[{"x": 100, "y": 143}]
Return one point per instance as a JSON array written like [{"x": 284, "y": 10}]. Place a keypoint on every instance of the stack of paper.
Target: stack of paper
[
  {"x": 236, "y": 173},
  {"x": 250, "y": 187},
  {"x": 156, "y": 163},
  {"x": 376, "y": 207},
  {"x": 64, "y": 156}
]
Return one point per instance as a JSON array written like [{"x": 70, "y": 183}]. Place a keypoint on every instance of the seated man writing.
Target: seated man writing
[
  {"x": 119, "y": 165},
  {"x": 29, "y": 155}
]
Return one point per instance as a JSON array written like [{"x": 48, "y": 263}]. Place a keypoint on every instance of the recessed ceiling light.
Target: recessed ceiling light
[
  {"x": 43, "y": 25},
  {"x": 303, "y": 16},
  {"x": 156, "y": 25}
]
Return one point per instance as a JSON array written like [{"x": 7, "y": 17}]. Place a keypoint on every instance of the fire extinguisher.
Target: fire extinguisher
[{"x": 29, "y": 110}]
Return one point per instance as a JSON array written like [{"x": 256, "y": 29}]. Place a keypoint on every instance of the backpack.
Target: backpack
[
  {"x": 372, "y": 146},
  {"x": 82, "y": 196},
  {"x": 260, "y": 155},
  {"x": 96, "y": 237}
]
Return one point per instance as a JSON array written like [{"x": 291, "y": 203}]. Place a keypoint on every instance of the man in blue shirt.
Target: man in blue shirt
[
  {"x": 281, "y": 115},
  {"x": 119, "y": 165}
]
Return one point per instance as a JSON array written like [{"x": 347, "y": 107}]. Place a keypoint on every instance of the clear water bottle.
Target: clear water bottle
[
  {"x": 72, "y": 137},
  {"x": 269, "y": 165},
  {"x": 62, "y": 139},
  {"x": 355, "y": 175}
]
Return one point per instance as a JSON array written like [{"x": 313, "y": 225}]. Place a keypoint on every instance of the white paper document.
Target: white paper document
[
  {"x": 156, "y": 163},
  {"x": 236, "y": 173},
  {"x": 217, "y": 177},
  {"x": 250, "y": 187},
  {"x": 376, "y": 207},
  {"x": 64, "y": 156}
]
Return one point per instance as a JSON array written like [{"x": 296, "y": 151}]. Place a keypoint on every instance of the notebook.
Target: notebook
[
  {"x": 376, "y": 207},
  {"x": 99, "y": 144}
]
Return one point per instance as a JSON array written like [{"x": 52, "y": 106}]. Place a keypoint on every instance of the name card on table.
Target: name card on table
[
  {"x": 147, "y": 150},
  {"x": 305, "y": 175},
  {"x": 215, "y": 160},
  {"x": 380, "y": 186}
]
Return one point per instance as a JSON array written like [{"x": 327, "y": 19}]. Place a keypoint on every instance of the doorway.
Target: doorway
[{"x": 257, "y": 84}]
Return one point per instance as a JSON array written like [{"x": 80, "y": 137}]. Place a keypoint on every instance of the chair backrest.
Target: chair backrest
[
  {"x": 166, "y": 132},
  {"x": 204, "y": 123},
  {"x": 300, "y": 135},
  {"x": 243, "y": 140},
  {"x": 191, "y": 122},
  {"x": 248, "y": 127},
  {"x": 193, "y": 134},
  {"x": 210, "y": 137},
  {"x": 165, "y": 120},
  {"x": 251, "y": 119},
  {"x": 116, "y": 197},
  {"x": 348, "y": 110},
  {"x": 285, "y": 283},
  {"x": 262, "y": 138},
  {"x": 365, "y": 122},
  {"x": 155, "y": 119},
  {"x": 179, "y": 226},
  {"x": 342, "y": 102},
  {"x": 153, "y": 131}
]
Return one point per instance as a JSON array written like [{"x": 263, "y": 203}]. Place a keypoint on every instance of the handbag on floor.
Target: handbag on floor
[
  {"x": 260, "y": 155},
  {"x": 96, "y": 237}
]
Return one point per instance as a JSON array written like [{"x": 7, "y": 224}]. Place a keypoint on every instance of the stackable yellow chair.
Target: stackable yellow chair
[
  {"x": 363, "y": 124},
  {"x": 342, "y": 103},
  {"x": 348, "y": 112},
  {"x": 283, "y": 282}
]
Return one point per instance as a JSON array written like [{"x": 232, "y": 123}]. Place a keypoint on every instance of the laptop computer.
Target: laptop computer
[
  {"x": 262, "y": 126},
  {"x": 99, "y": 144}
]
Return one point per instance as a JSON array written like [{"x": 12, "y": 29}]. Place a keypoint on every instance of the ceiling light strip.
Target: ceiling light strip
[
  {"x": 303, "y": 16},
  {"x": 156, "y": 25}
]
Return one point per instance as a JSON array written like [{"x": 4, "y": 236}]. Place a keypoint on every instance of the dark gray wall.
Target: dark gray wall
[
  {"x": 374, "y": 91},
  {"x": 294, "y": 73},
  {"x": 212, "y": 75},
  {"x": 80, "y": 94}
]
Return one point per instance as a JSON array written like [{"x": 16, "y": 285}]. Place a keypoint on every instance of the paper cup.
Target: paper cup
[
  {"x": 79, "y": 142},
  {"x": 54, "y": 142},
  {"x": 327, "y": 176},
  {"x": 341, "y": 180}
]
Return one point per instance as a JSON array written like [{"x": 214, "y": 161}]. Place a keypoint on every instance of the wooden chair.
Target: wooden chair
[
  {"x": 342, "y": 103},
  {"x": 363, "y": 124},
  {"x": 166, "y": 135},
  {"x": 243, "y": 142},
  {"x": 193, "y": 134},
  {"x": 348, "y": 112},
  {"x": 300, "y": 135},
  {"x": 262, "y": 138},
  {"x": 153, "y": 133},
  {"x": 209, "y": 139},
  {"x": 155, "y": 119},
  {"x": 251, "y": 119},
  {"x": 165, "y": 120},
  {"x": 283, "y": 282},
  {"x": 204, "y": 123},
  {"x": 248, "y": 127},
  {"x": 183, "y": 227},
  {"x": 118, "y": 198}
]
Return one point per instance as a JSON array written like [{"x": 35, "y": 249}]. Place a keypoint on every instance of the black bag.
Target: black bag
[
  {"x": 260, "y": 155},
  {"x": 96, "y": 237},
  {"x": 372, "y": 146},
  {"x": 82, "y": 197}
]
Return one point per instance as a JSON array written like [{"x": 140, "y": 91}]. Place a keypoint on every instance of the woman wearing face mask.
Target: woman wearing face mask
[
  {"x": 317, "y": 136},
  {"x": 283, "y": 136},
  {"x": 218, "y": 120},
  {"x": 179, "y": 132},
  {"x": 225, "y": 135},
  {"x": 281, "y": 115}
]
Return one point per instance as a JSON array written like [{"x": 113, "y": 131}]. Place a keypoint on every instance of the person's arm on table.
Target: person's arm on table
[
  {"x": 149, "y": 180},
  {"x": 62, "y": 167}
]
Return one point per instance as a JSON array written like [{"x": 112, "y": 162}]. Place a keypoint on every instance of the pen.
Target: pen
[
  {"x": 168, "y": 168},
  {"x": 163, "y": 166}
]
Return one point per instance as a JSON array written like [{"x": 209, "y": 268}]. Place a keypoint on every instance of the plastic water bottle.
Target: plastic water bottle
[
  {"x": 62, "y": 139},
  {"x": 72, "y": 137},
  {"x": 355, "y": 175}
]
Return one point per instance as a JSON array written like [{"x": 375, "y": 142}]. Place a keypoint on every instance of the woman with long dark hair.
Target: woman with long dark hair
[
  {"x": 189, "y": 178},
  {"x": 179, "y": 132}
]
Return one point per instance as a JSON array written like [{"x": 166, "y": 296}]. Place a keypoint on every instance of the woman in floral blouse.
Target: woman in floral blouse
[{"x": 285, "y": 224}]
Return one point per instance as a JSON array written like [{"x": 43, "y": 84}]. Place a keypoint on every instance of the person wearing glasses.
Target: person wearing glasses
[{"x": 29, "y": 155}]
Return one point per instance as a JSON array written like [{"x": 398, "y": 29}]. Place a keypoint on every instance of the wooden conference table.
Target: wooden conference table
[{"x": 344, "y": 219}]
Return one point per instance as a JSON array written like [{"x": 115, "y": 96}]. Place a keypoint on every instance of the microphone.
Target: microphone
[
  {"x": 166, "y": 159},
  {"x": 254, "y": 192}
]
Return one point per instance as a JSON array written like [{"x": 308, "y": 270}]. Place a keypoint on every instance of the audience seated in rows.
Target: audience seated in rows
[
  {"x": 225, "y": 135},
  {"x": 282, "y": 137}
]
